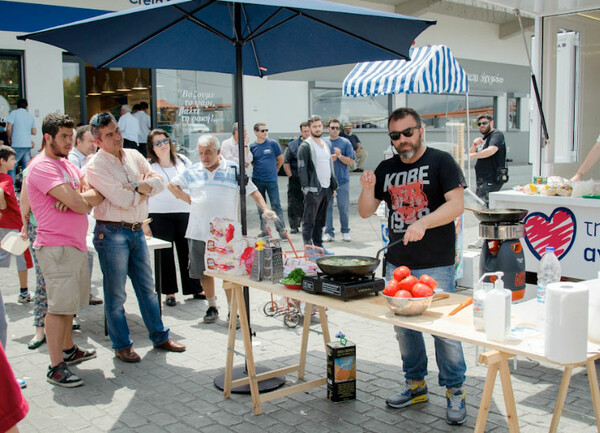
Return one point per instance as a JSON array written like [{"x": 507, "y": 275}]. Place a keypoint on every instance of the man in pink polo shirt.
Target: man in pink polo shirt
[{"x": 54, "y": 186}]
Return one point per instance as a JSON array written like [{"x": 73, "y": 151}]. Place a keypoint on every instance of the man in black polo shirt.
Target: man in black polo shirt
[{"x": 490, "y": 153}]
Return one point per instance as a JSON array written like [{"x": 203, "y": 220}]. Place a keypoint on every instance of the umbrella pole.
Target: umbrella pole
[{"x": 238, "y": 96}]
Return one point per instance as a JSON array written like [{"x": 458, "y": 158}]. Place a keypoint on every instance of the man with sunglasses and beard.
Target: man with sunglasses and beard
[
  {"x": 490, "y": 153},
  {"x": 423, "y": 190}
]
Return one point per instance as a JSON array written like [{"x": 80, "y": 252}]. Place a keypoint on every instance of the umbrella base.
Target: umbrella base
[{"x": 240, "y": 372}]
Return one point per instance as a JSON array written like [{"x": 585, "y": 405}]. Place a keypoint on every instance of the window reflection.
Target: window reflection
[
  {"x": 364, "y": 113},
  {"x": 192, "y": 103},
  {"x": 437, "y": 110}
]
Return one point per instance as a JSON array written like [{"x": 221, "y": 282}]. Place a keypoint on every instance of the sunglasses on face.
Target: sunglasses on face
[
  {"x": 159, "y": 143},
  {"x": 408, "y": 132},
  {"x": 334, "y": 127},
  {"x": 263, "y": 130},
  {"x": 483, "y": 123}
]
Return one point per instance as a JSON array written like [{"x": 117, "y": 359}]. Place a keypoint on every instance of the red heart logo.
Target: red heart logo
[{"x": 557, "y": 230}]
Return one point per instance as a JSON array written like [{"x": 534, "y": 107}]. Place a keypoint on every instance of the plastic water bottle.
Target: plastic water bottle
[
  {"x": 479, "y": 293},
  {"x": 548, "y": 272}
]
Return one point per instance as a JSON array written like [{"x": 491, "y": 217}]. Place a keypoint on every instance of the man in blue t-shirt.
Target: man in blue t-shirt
[
  {"x": 20, "y": 128},
  {"x": 342, "y": 155},
  {"x": 267, "y": 160}
]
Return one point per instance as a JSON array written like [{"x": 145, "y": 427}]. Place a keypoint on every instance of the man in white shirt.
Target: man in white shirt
[
  {"x": 145, "y": 125},
  {"x": 214, "y": 191},
  {"x": 84, "y": 147},
  {"x": 317, "y": 178},
  {"x": 230, "y": 148},
  {"x": 130, "y": 128}
]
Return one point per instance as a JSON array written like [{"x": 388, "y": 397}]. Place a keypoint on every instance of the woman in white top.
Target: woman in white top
[{"x": 170, "y": 218}]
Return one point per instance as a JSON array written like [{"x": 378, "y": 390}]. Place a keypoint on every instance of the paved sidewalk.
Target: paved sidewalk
[{"x": 171, "y": 392}]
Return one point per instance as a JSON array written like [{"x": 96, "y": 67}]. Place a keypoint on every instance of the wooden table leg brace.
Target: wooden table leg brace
[
  {"x": 238, "y": 303},
  {"x": 497, "y": 361}
]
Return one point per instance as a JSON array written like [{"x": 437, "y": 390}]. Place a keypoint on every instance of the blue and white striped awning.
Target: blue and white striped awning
[{"x": 432, "y": 69}]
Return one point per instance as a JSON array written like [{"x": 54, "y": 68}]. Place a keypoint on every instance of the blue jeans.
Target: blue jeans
[
  {"x": 343, "y": 204},
  {"x": 24, "y": 156},
  {"x": 272, "y": 190},
  {"x": 123, "y": 253},
  {"x": 448, "y": 353}
]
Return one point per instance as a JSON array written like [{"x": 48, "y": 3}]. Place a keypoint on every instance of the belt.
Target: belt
[{"x": 134, "y": 227}]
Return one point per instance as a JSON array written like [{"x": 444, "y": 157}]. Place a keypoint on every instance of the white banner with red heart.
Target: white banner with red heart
[{"x": 557, "y": 230}]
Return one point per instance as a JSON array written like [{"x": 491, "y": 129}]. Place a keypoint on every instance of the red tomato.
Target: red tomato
[
  {"x": 403, "y": 294},
  {"x": 401, "y": 272},
  {"x": 421, "y": 290},
  {"x": 426, "y": 279},
  {"x": 408, "y": 283},
  {"x": 391, "y": 288}
]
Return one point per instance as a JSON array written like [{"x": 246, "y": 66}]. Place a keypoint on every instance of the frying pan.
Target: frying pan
[
  {"x": 329, "y": 267},
  {"x": 498, "y": 215}
]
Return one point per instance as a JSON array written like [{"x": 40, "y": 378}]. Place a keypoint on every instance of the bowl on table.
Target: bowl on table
[
  {"x": 291, "y": 286},
  {"x": 408, "y": 306}
]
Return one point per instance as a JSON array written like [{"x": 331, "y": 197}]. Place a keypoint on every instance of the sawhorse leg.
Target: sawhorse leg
[
  {"x": 497, "y": 362},
  {"x": 564, "y": 388}
]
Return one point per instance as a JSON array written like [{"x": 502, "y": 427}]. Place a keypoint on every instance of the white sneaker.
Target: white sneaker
[
  {"x": 327, "y": 238},
  {"x": 346, "y": 237}
]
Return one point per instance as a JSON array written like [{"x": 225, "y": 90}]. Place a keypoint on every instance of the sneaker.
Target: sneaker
[
  {"x": 327, "y": 238},
  {"x": 211, "y": 315},
  {"x": 79, "y": 355},
  {"x": 62, "y": 376},
  {"x": 22, "y": 383},
  {"x": 346, "y": 237},
  {"x": 237, "y": 321},
  {"x": 24, "y": 298},
  {"x": 410, "y": 394},
  {"x": 328, "y": 253},
  {"x": 294, "y": 230},
  {"x": 456, "y": 411},
  {"x": 358, "y": 170},
  {"x": 476, "y": 245}
]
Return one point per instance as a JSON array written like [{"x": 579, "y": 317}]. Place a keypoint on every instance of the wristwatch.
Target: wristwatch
[{"x": 135, "y": 186}]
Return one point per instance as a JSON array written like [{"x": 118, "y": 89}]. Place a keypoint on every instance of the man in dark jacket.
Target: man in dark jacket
[
  {"x": 317, "y": 179},
  {"x": 290, "y": 166}
]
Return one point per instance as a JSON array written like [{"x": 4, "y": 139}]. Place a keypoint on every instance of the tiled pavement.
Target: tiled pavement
[{"x": 174, "y": 392}]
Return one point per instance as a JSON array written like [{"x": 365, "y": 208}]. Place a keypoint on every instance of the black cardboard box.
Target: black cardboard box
[{"x": 341, "y": 371}]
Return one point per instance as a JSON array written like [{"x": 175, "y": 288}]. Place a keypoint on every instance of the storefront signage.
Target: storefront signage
[
  {"x": 147, "y": 2},
  {"x": 486, "y": 79},
  {"x": 195, "y": 104}
]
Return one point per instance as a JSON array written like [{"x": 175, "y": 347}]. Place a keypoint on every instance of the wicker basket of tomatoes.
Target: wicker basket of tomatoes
[{"x": 408, "y": 295}]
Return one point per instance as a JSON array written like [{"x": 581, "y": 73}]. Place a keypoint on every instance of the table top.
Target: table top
[
  {"x": 532, "y": 200},
  {"x": 435, "y": 320}
]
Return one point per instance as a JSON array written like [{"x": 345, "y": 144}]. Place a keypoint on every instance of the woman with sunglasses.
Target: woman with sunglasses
[{"x": 170, "y": 218}]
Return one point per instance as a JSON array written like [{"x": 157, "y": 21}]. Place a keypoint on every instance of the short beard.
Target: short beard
[
  {"x": 407, "y": 154},
  {"x": 315, "y": 135},
  {"x": 57, "y": 152}
]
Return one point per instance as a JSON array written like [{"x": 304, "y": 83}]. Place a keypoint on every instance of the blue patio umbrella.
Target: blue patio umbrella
[
  {"x": 241, "y": 37},
  {"x": 245, "y": 37}
]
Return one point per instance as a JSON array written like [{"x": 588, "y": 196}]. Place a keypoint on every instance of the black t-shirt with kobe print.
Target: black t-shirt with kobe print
[{"x": 412, "y": 191}]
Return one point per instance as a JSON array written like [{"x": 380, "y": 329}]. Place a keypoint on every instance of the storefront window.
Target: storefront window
[
  {"x": 11, "y": 86},
  {"x": 514, "y": 113},
  {"x": 437, "y": 110},
  {"x": 72, "y": 90},
  {"x": 109, "y": 89},
  {"x": 371, "y": 112},
  {"x": 192, "y": 103}
]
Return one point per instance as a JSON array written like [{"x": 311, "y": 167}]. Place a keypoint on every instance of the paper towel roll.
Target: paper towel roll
[{"x": 566, "y": 322}]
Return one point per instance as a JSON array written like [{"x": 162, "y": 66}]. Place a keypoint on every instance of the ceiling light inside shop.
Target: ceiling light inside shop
[
  {"x": 122, "y": 85},
  {"x": 94, "y": 90},
  {"x": 140, "y": 83},
  {"x": 107, "y": 87}
]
